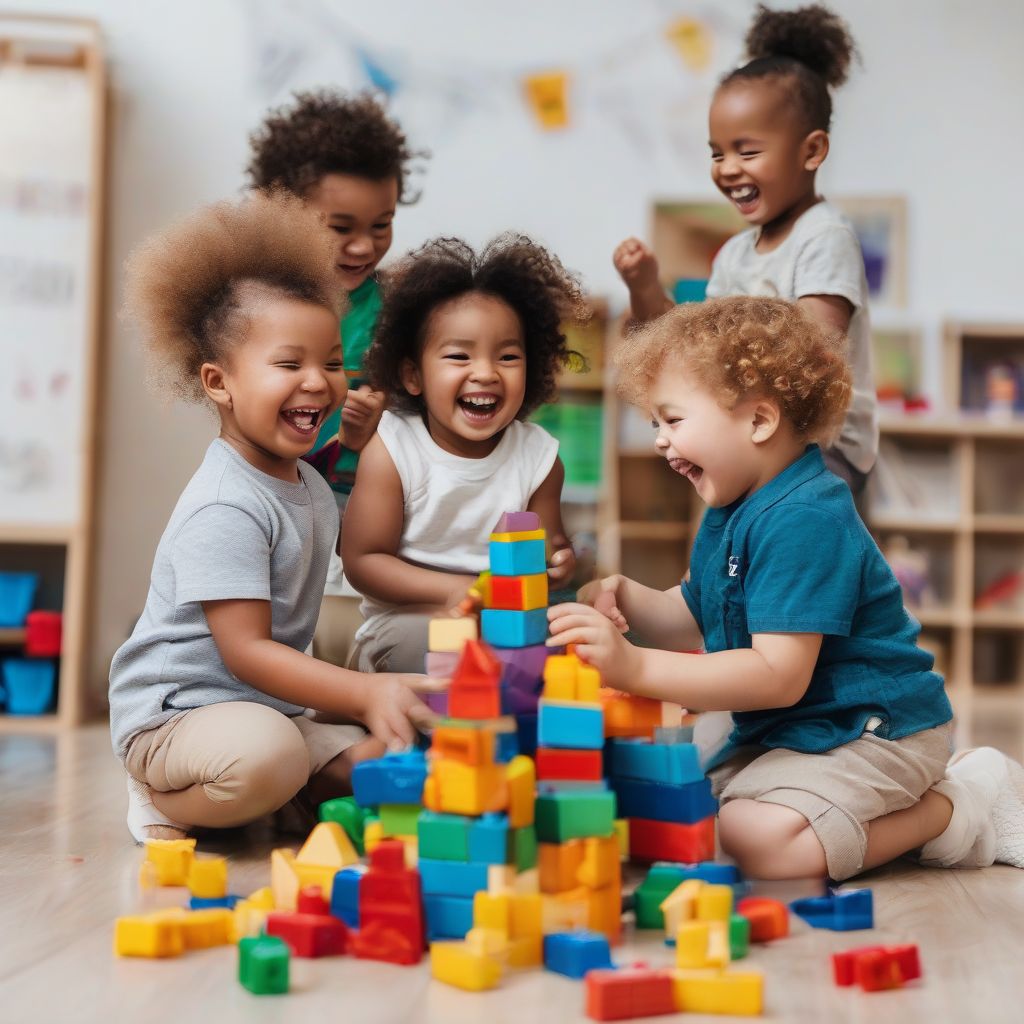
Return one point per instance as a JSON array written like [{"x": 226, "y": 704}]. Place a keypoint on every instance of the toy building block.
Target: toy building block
[
  {"x": 284, "y": 879},
  {"x": 631, "y": 992},
  {"x": 740, "y": 993},
  {"x": 680, "y": 905},
  {"x": 666, "y": 734},
  {"x": 672, "y": 841},
  {"x": 524, "y": 666},
  {"x": 739, "y": 936},
  {"x": 456, "y": 964},
  {"x": 447, "y": 917},
  {"x": 345, "y": 894},
  {"x": 475, "y": 690},
  {"x": 208, "y": 877},
  {"x": 311, "y": 931},
  {"x": 518, "y": 593},
  {"x": 570, "y": 725},
  {"x": 685, "y": 804},
  {"x": 622, "y": 835},
  {"x": 566, "y": 911},
  {"x": 521, "y": 781},
  {"x": 514, "y": 629},
  {"x": 575, "y": 953},
  {"x": 149, "y": 935},
  {"x": 390, "y": 909},
  {"x": 471, "y": 746},
  {"x": 447, "y": 634},
  {"x": 228, "y": 902},
  {"x": 451, "y": 877},
  {"x": 714, "y": 903},
  {"x": 489, "y": 839},
  {"x": 524, "y": 848},
  {"x": 600, "y": 865},
  {"x": 203, "y": 929},
  {"x": 392, "y": 779},
  {"x": 441, "y": 664},
  {"x": 456, "y": 788},
  {"x": 701, "y": 944},
  {"x": 628, "y": 715},
  {"x": 769, "y": 919},
  {"x": 568, "y": 678},
  {"x": 263, "y": 965},
  {"x": 517, "y": 522},
  {"x": 574, "y": 814},
  {"x": 443, "y": 836},
  {"x": 663, "y": 878},
  {"x": 876, "y": 968},
  {"x": 516, "y": 554},
  {"x": 838, "y": 911},
  {"x": 250, "y": 914},
  {"x": 346, "y": 811},
  {"x": 328, "y": 846},
  {"x": 399, "y": 819},
  {"x": 673, "y": 764},
  {"x": 558, "y": 863},
  {"x": 167, "y": 862}
]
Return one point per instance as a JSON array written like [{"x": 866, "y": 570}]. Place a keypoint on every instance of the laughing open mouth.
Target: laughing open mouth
[
  {"x": 690, "y": 470},
  {"x": 744, "y": 196},
  {"x": 305, "y": 420},
  {"x": 479, "y": 407}
]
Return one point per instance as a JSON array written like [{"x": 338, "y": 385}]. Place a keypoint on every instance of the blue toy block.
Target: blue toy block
[
  {"x": 447, "y": 917},
  {"x": 838, "y": 911},
  {"x": 506, "y": 746},
  {"x": 18, "y": 591},
  {"x": 452, "y": 878},
  {"x": 526, "y": 734},
  {"x": 489, "y": 839},
  {"x": 674, "y": 764},
  {"x": 504, "y": 628},
  {"x": 209, "y": 902},
  {"x": 29, "y": 685},
  {"x": 345, "y": 894},
  {"x": 654, "y": 800},
  {"x": 575, "y": 953},
  {"x": 517, "y": 557},
  {"x": 570, "y": 725},
  {"x": 392, "y": 779}
]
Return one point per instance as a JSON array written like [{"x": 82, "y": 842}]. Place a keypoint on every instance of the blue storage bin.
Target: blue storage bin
[
  {"x": 29, "y": 685},
  {"x": 17, "y": 592}
]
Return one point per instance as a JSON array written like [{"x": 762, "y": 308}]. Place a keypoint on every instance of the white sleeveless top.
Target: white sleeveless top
[{"x": 452, "y": 503}]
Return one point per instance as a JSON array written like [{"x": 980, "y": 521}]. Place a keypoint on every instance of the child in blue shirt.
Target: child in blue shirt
[{"x": 837, "y": 761}]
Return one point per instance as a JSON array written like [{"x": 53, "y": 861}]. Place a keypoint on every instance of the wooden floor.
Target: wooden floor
[{"x": 69, "y": 868}]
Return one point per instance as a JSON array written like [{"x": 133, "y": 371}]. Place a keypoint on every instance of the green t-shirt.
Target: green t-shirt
[{"x": 336, "y": 462}]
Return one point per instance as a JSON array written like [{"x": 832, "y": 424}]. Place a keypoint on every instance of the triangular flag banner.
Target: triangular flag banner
[
  {"x": 547, "y": 94},
  {"x": 377, "y": 76},
  {"x": 693, "y": 42}
]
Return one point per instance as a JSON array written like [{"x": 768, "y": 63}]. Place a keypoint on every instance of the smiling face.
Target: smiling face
[
  {"x": 471, "y": 373},
  {"x": 360, "y": 212},
  {"x": 278, "y": 384},
  {"x": 762, "y": 161}
]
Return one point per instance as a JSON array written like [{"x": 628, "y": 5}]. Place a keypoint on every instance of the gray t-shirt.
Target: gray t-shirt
[
  {"x": 821, "y": 256},
  {"x": 236, "y": 533}
]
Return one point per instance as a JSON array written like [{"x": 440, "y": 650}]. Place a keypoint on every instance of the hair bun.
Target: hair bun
[{"x": 813, "y": 35}]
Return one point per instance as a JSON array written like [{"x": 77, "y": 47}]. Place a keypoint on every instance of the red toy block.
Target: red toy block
[
  {"x": 390, "y": 908},
  {"x": 843, "y": 963},
  {"x": 908, "y": 959},
  {"x": 568, "y": 765},
  {"x": 631, "y": 992},
  {"x": 519, "y": 593},
  {"x": 876, "y": 968},
  {"x": 769, "y": 919},
  {"x": 311, "y": 931},
  {"x": 42, "y": 634},
  {"x": 670, "y": 840},
  {"x": 311, "y": 901},
  {"x": 475, "y": 690}
]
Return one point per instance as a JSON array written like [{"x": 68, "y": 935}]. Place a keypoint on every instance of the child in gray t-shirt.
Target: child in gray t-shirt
[{"x": 209, "y": 695}]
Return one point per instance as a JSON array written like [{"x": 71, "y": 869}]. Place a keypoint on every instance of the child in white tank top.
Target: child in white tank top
[{"x": 466, "y": 347}]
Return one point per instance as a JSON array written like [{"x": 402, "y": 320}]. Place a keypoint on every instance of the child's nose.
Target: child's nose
[
  {"x": 314, "y": 380},
  {"x": 359, "y": 245},
  {"x": 484, "y": 370}
]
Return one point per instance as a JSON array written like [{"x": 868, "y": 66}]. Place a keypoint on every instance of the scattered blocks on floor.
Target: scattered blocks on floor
[
  {"x": 575, "y": 953},
  {"x": 167, "y": 862},
  {"x": 349, "y": 815},
  {"x": 630, "y": 992},
  {"x": 740, "y": 993},
  {"x": 838, "y": 911},
  {"x": 769, "y": 919},
  {"x": 311, "y": 931},
  {"x": 263, "y": 965},
  {"x": 457, "y": 964},
  {"x": 208, "y": 877},
  {"x": 876, "y": 968}
]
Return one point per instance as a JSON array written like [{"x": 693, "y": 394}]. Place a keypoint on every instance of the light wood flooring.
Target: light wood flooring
[{"x": 69, "y": 868}]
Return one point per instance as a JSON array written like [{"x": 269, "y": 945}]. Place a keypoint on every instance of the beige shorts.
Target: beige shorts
[
  {"x": 398, "y": 644},
  {"x": 336, "y": 628},
  {"x": 841, "y": 790},
  {"x": 249, "y": 758}
]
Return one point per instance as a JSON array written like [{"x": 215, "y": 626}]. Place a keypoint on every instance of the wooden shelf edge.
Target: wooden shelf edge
[
  {"x": 910, "y": 524},
  {"x": 21, "y": 724}
]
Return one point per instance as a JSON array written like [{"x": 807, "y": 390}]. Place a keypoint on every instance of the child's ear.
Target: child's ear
[
  {"x": 410, "y": 376},
  {"x": 815, "y": 149},
  {"x": 215, "y": 384},
  {"x": 764, "y": 421}
]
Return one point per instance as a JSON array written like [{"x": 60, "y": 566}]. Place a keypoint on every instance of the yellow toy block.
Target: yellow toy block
[
  {"x": 680, "y": 904},
  {"x": 247, "y": 920},
  {"x": 560, "y": 676},
  {"x": 149, "y": 936},
  {"x": 588, "y": 684},
  {"x": 508, "y": 538},
  {"x": 212, "y": 926},
  {"x": 456, "y": 964},
  {"x": 621, "y": 826},
  {"x": 601, "y": 865},
  {"x": 284, "y": 880},
  {"x": 208, "y": 877},
  {"x": 373, "y": 833},
  {"x": 566, "y": 911},
  {"x": 487, "y": 942},
  {"x": 701, "y": 944},
  {"x": 467, "y": 746},
  {"x": 526, "y": 951},
  {"x": 714, "y": 903},
  {"x": 558, "y": 864},
  {"x": 492, "y": 911},
  {"x": 448, "y": 634},
  {"x": 481, "y": 589},
  {"x": 170, "y": 859},
  {"x": 526, "y": 916},
  {"x": 316, "y": 874},
  {"x": 740, "y": 993},
  {"x": 455, "y": 788},
  {"x": 328, "y": 845},
  {"x": 521, "y": 774}
]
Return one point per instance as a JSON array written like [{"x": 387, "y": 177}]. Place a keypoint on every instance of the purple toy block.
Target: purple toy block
[
  {"x": 437, "y": 702},
  {"x": 441, "y": 664},
  {"x": 517, "y": 522},
  {"x": 524, "y": 666}
]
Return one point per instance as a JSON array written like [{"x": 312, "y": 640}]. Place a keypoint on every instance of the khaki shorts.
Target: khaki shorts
[
  {"x": 398, "y": 644},
  {"x": 841, "y": 790},
  {"x": 249, "y": 758}
]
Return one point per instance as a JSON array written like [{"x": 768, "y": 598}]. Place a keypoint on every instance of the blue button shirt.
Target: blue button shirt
[{"x": 795, "y": 557}]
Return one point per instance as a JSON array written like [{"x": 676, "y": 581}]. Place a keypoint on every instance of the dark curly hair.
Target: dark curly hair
[
  {"x": 193, "y": 287},
  {"x": 512, "y": 268},
  {"x": 809, "y": 49},
  {"x": 326, "y": 132}
]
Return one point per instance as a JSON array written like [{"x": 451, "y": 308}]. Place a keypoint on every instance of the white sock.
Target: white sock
[
  {"x": 143, "y": 812},
  {"x": 1008, "y": 817}
]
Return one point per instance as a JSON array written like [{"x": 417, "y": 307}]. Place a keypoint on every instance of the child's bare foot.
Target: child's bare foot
[
  {"x": 163, "y": 832},
  {"x": 144, "y": 818}
]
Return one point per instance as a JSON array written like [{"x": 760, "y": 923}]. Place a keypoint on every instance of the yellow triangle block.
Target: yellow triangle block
[
  {"x": 284, "y": 880},
  {"x": 328, "y": 846}
]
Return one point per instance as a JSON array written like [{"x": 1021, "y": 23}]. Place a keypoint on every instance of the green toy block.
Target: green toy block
[
  {"x": 349, "y": 815},
  {"x": 263, "y": 965},
  {"x": 443, "y": 836},
  {"x": 524, "y": 847},
  {"x": 567, "y": 814},
  {"x": 739, "y": 936},
  {"x": 400, "y": 819},
  {"x": 647, "y": 899}
]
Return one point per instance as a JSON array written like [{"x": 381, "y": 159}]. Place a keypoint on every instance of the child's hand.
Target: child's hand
[
  {"x": 637, "y": 265},
  {"x": 598, "y": 642},
  {"x": 463, "y": 599},
  {"x": 603, "y": 595},
  {"x": 562, "y": 565},
  {"x": 394, "y": 713},
  {"x": 360, "y": 416}
]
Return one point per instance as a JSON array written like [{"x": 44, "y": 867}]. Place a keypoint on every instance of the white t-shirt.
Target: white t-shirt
[
  {"x": 821, "y": 256},
  {"x": 452, "y": 503}
]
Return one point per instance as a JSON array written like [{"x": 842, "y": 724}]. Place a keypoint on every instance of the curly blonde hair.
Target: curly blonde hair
[
  {"x": 745, "y": 347},
  {"x": 192, "y": 287}
]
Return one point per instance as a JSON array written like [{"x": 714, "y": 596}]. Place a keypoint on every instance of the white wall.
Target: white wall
[{"x": 934, "y": 114}]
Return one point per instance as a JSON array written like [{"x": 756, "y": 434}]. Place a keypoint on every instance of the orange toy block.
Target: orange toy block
[
  {"x": 601, "y": 865},
  {"x": 627, "y": 715},
  {"x": 558, "y": 863},
  {"x": 456, "y": 788},
  {"x": 519, "y": 593},
  {"x": 467, "y": 746},
  {"x": 568, "y": 678},
  {"x": 521, "y": 779},
  {"x": 769, "y": 919}
]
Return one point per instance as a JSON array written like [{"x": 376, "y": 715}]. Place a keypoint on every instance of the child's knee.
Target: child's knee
[{"x": 756, "y": 834}]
